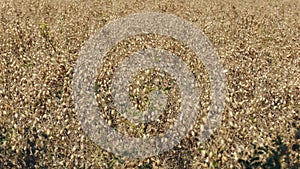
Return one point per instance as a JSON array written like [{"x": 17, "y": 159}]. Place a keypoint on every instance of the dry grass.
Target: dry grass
[{"x": 258, "y": 43}]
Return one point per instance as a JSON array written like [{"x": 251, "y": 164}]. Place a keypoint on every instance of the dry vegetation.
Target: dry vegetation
[{"x": 258, "y": 43}]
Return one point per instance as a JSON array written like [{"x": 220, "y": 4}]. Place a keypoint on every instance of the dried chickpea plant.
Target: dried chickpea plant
[{"x": 258, "y": 43}]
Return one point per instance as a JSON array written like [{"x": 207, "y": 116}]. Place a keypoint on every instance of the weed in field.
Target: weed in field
[{"x": 275, "y": 157}]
